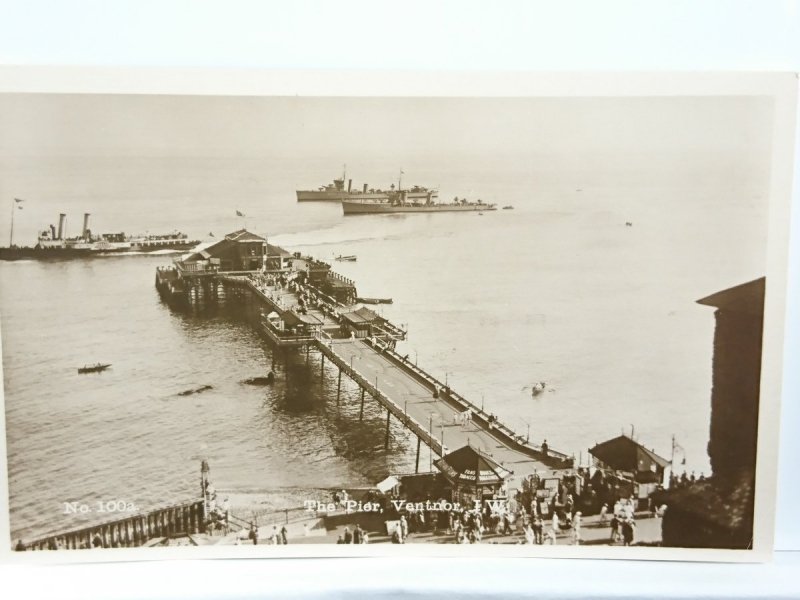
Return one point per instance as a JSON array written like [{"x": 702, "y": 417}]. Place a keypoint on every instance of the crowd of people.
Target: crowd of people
[
  {"x": 357, "y": 536},
  {"x": 308, "y": 298},
  {"x": 622, "y": 521},
  {"x": 257, "y": 535},
  {"x": 684, "y": 480}
]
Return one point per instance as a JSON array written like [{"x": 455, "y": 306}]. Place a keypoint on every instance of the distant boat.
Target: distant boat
[
  {"x": 93, "y": 368},
  {"x": 509, "y": 207},
  {"x": 53, "y": 244},
  {"x": 374, "y": 300},
  {"x": 197, "y": 390},
  {"x": 402, "y": 201},
  {"x": 268, "y": 380},
  {"x": 349, "y": 258},
  {"x": 338, "y": 191}
]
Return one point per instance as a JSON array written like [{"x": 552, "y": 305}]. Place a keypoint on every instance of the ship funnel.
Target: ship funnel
[
  {"x": 61, "y": 220},
  {"x": 85, "y": 231},
  {"x": 365, "y": 188},
  {"x": 349, "y": 185},
  {"x": 53, "y": 231}
]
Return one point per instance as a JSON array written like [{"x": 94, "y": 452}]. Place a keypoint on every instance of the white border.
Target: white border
[{"x": 782, "y": 87}]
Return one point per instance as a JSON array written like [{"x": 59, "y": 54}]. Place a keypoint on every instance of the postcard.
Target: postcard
[{"x": 350, "y": 314}]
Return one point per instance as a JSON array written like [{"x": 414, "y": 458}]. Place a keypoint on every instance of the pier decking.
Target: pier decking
[{"x": 407, "y": 392}]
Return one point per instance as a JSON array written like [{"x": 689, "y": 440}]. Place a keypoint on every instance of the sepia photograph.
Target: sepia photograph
[{"x": 501, "y": 321}]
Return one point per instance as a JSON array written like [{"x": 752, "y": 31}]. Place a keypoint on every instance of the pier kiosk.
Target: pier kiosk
[{"x": 473, "y": 475}]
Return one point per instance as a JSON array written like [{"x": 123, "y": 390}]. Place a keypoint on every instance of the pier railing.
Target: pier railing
[
  {"x": 415, "y": 426},
  {"x": 184, "y": 518},
  {"x": 283, "y": 516},
  {"x": 501, "y": 430},
  {"x": 284, "y": 338}
]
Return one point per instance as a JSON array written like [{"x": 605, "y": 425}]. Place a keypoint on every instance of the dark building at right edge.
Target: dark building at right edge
[{"x": 718, "y": 512}]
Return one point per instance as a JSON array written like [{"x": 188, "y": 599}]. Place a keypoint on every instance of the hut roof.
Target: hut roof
[
  {"x": 367, "y": 314},
  {"x": 624, "y": 454},
  {"x": 293, "y": 318},
  {"x": 209, "y": 252},
  {"x": 361, "y": 316},
  {"x": 242, "y": 235},
  {"x": 470, "y": 465},
  {"x": 277, "y": 251}
]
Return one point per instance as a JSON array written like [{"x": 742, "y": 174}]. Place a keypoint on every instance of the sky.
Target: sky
[{"x": 723, "y": 137}]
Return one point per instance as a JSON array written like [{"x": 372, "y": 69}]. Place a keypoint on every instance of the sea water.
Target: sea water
[{"x": 559, "y": 289}]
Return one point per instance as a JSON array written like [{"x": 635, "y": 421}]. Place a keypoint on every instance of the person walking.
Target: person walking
[
  {"x": 507, "y": 524},
  {"x": 614, "y": 536},
  {"x": 348, "y": 536},
  {"x": 627, "y": 532},
  {"x": 530, "y": 537},
  {"x": 396, "y": 536},
  {"x": 603, "y": 513},
  {"x": 253, "y": 535},
  {"x": 538, "y": 530},
  {"x": 576, "y": 528}
]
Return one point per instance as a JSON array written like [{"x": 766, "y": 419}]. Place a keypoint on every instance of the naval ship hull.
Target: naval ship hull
[
  {"x": 379, "y": 208},
  {"x": 37, "y": 253},
  {"x": 320, "y": 196},
  {"x": 341, "y": 196}
]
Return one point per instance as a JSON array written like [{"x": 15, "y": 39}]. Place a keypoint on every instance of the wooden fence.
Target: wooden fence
[{"x": 134, "y": 530}]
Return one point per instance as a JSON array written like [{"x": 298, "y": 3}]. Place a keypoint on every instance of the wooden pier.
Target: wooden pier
[
  {"x": 431, "y": 410},
  {"x": 306, "y": 305}
]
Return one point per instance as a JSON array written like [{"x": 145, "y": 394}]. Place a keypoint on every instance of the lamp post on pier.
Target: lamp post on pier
[
  {"x": 528, "y": 434},
  {"x": 430, "y": 446},
  {"x": 446, "y": 373}
]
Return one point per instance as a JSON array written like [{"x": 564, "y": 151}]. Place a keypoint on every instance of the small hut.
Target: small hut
[
  {"x": 624, "y": 454},
  {"x": 638, "y": 472},
  {"x": 361, "y": 323},
  {"x": 301, "y": 324},
  {"x": 473, "y": 475}
]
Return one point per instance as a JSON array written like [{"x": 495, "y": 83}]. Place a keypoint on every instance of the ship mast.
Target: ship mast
[
  {"x": 400, "y": 181},
  {"x": 15, "y": 203},
  {"x": 11, "y": 236}
]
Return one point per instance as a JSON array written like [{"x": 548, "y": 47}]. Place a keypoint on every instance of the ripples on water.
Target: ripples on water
[{"x": 605, "y": 314}]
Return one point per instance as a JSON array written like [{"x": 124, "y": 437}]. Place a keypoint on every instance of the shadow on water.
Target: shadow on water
[{"x": 303, "y": 398}]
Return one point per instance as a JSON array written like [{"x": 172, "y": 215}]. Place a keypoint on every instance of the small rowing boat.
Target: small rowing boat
[
  {"x": 196, "y": 390},
  {"x": 96, "y": 368},
  {"x": 374, "y": 300},
  {"x": 350, "y": 258},
  {"x": 268, "y": 380}
]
